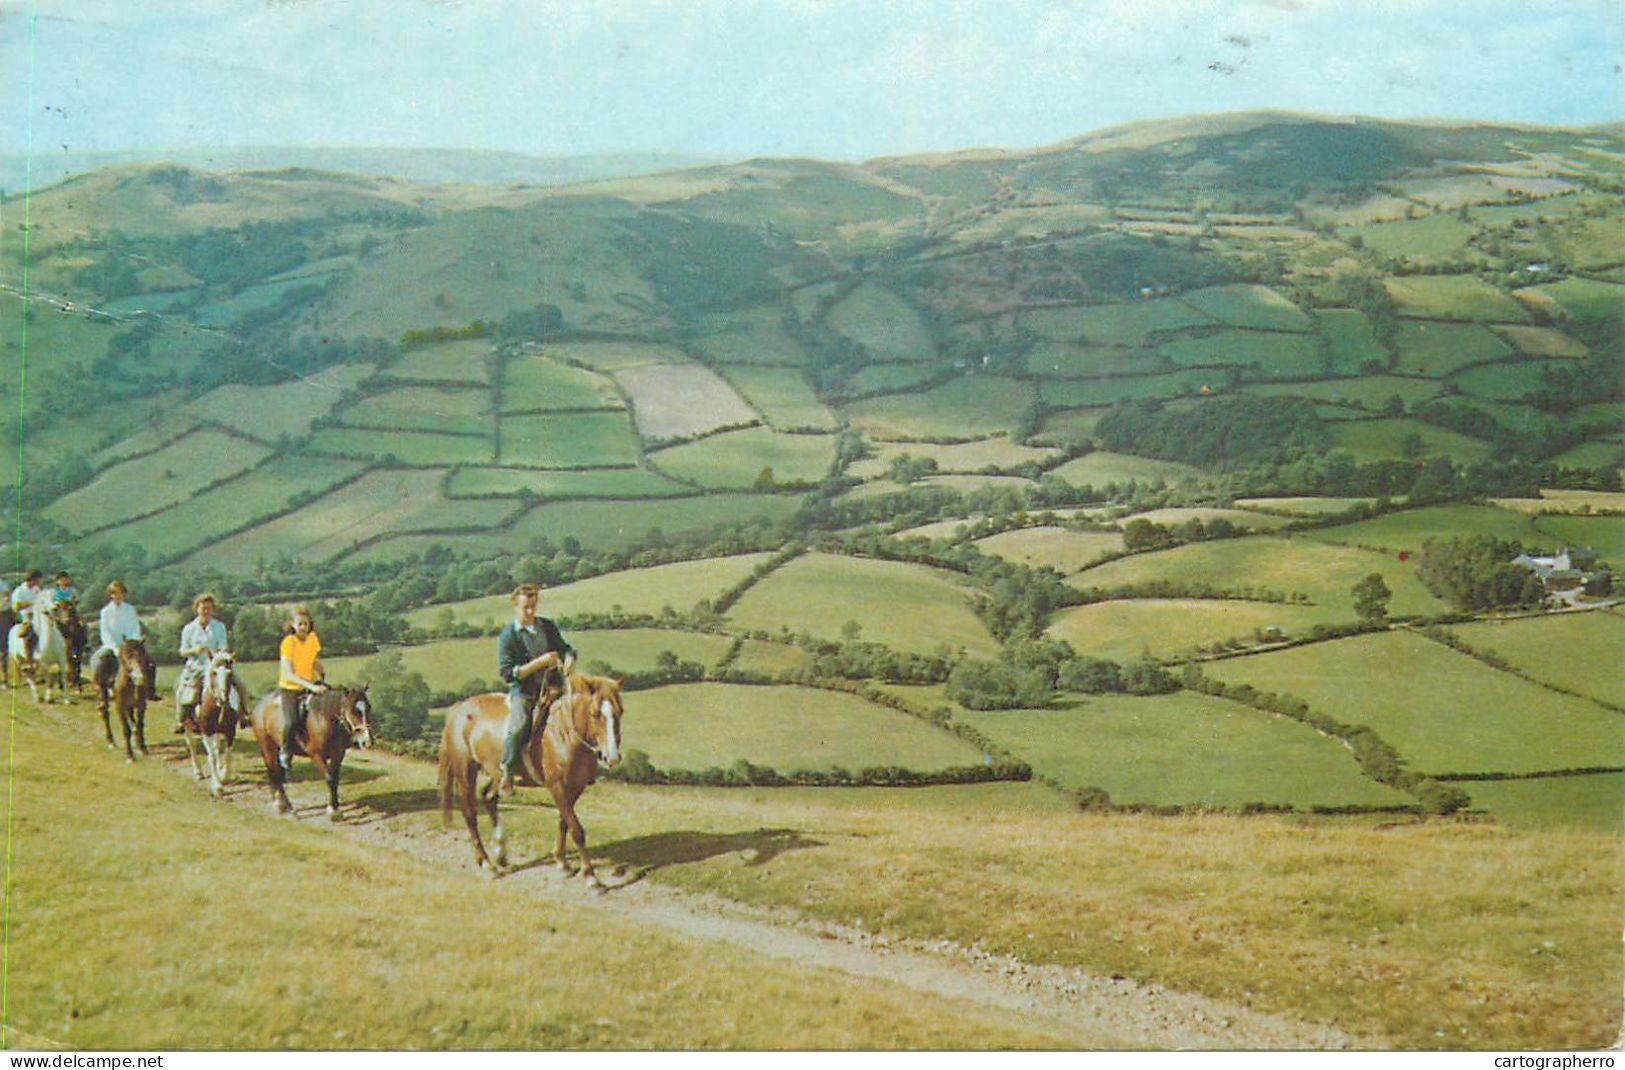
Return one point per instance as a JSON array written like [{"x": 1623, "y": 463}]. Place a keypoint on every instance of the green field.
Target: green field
[
  {"x": 1368, "y": 392},
  {"x": 889, "y": 378},
  {"x": 1273, "y": 355},
  {"x": 1174, "y": 516},
  {"x": 1303, "y": 506},
  {"x": 1598, "y": 453},
  {"x": 910, "y": 607},
  {"x": 568, "y": 440},
  {"x": 406, "y": 447},
  {"x": 1409, "y": 529},
  {"x": 697, "y": 726},
  {"x": 1070, "y": 360},
  {"x": 424, "y": 408},
  {"x": 1436, "y": 349},
  {"x": 253, "y": 496},
  {"x": 60, "y": 437},
  {"x": 1592, "y": 801},
  {"x": 995, "y": 453},
  {"x": 1254, "y": 307},
  {"x": 1073, "y": 393},
  {"x": 757, "y": 655},
  {"x": 1063, "y": 427},
  {"x": 1128, "y": 324},
  {"x": 612, "y": 356},
  {"x": 1605, "y": 534},
  {"x": 1434, "y": 237},
  {"x": 882, "y": 323},
  {"x": 749, "y": 336},
  {"x": 1098, "y": 468},
  {"x": 1294, "y": 566},
  {"x": 1350, "y": 340},
  {"x": 638, "y": 590},
  {"x": 467, "y": 361},
  {"x": 534, "y": 383},
  {"x": 1062, "y": 549},
  {"x": 679, "y": 401},
  {"x": 1453, "y": 297},
  {"x": 968, "y": 407},
  {"x": 155, "y": 481},
  {"x": 1184, "y": 750},
  {"x": 734, "y": 460},
  {"x": 1542, "y": 341},
  {"x": 1383, "y": 440},
  {"x": 1574, "y": 651},
  {"x": 1507, "y": 382},
  {"x": 1442, "y": 711},
  {"x": 783, "y": 398},
  {"x": 1583, "y": 299},
  {"x": 545, "y": 484},
  {"x": 1124, "y": 629},
  {"x": 225, "y": 313},
  {"x": 268, "y": 413}
]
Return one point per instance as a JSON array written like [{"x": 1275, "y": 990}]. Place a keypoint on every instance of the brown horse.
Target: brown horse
[
  {"x": 221, "y": 706},
  {"x": 335, "y": 720},
  {"x": 583, "y": 729},
  {"x": 129, "y": 694}
]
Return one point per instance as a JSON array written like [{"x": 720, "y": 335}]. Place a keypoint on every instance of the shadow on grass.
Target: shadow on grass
[{"x": 649, "y": 853}]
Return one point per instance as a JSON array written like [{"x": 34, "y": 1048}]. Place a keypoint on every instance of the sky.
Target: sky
[{"x": 835, "y": 79}]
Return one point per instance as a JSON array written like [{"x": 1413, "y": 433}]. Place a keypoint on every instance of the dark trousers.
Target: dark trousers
[{"x": 292, "y": 721}]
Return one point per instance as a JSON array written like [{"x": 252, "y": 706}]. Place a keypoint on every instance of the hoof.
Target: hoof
[
  {"x": 487, "y": 871},
  {"x": 130, "y": 760},
  {"x": 332, "y": 814}
]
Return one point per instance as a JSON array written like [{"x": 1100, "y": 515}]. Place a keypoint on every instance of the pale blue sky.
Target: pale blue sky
[{"x": 847, "y": 79}]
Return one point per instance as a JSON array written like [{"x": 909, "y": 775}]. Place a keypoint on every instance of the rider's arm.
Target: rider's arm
[{"x": 289, "y": 674}]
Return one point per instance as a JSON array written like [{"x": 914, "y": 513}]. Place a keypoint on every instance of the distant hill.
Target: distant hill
[{"x": 479, "y": 166}]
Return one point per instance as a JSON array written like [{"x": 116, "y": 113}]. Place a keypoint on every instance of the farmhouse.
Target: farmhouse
[{"x": 1568, "y": 569}]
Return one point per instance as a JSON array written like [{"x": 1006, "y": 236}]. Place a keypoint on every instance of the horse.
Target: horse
[
  {"x": 66, "y": 615},
  {"x": 222, "y": 707},
  {"x": 50, "y": 652},
  {"x": 104, "y": 669},
  {"x": 335, "y": 720},
  {"x": 130, "y": 696},
  {"x": 583, "y": 729}
]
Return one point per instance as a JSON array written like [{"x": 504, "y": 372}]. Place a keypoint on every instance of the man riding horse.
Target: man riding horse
[
  {"x": 22, "y": 602},
  {"x": 530, "y": 652},
  {"x": 203, "y": 637}
]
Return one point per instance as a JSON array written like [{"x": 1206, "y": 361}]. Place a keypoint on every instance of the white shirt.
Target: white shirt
[
  {"x": 24, "y": 597},
  {"x": 212, "y": 639},
  {"x": 118, "y": 622}
]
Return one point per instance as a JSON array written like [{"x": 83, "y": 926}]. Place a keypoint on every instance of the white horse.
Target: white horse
[
  {"x": 50, "y": 653},
  {"x": 222, "y": 705}
]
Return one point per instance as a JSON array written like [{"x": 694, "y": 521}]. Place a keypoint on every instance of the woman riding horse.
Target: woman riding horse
[
  {"x": 116, "y": 624},
  {"x": 201, "y": 639},
  {"x": 23, "y": 597}
]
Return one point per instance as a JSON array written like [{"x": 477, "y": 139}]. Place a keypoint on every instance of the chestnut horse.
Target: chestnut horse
[
  {"x": 583, "y": 729},
  {"x": 335, "y": 720},
  {"x": 103, "y": 670},
  {"x": 221, "y": 706},
  {"x": 130, "y": 696}
]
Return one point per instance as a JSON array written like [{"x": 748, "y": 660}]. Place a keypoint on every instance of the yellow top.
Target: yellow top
[{"x": 302, "y": 656}]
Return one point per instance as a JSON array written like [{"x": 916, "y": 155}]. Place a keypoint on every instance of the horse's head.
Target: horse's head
[
  {"x": 217, "y": 678},
  {"x": 355, "y": 711},
  {"x": 595, "y": 709},
  {"x": 66, "y": 614},
  {"x": 132, "y": 661}
]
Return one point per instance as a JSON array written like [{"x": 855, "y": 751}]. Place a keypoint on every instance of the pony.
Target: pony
[
  {"x": 103, "y": 670},
  {"x": 130, "y": 696},
  {"x": 50, "y": 652},
  {"x": 583, "y": 729},
  {"x": 335, "y": 720},
  {"x": 66, "y": 615},
  {"x": 221, "y": 708}
]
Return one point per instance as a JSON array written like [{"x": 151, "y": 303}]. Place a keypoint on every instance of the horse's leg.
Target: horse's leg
[
  {"x": 124, "y": 725},
  {"x": 497, "y": 835},
  {"x": 211, "y": 760},
  {"x": 567, "y": 813},
  {"x": 191, "y": 754},
  {"x": 141, "y": 724},
  {"x": 107, "y": 725},
  {"x": 468, "y": 775},
  {"x": 273, "y": 774},
  {"x": 230, "y": 736},
  {"x": 329, "y": 772}
]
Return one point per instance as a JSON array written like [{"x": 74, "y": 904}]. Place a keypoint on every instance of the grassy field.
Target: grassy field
[
  {"x": 1124, "y": 629},
  {"x": 568, "y": 440},
  {"x": 889, "y": 378},
  {"x": 883, "y": 323},
  {"x": 268, "y": 413},
  {"x": 1542, "y": 341},
  {"x": 748, "y": 336},
  {"x": 1605, "y": 534},
  {"x": 1253, "y": 307},
  {"x": 697, "y": 726},
  {"x": 756, "y": 655},
  {"x": 783, "y": 398},
  {"x": 1584, "y": 299},
  {"x": 255, "y": 495},
  {"x": 1382, "y": 440},
  {"x": 968, "y": 407},
  {"x": 1303, "y": 506},
  {"x": 145, "y": 484},
  {"x": 1409, "y": 529},
  {"x": 1441, "y": 710},
  {"x": 1569, "y": 650},
  {"x": 910, "y": 607},
  {"x": 1323, "y": 574},
  {"x": 1064, "y": 427},
  {"x": 1507, "y": 382},
  {"x": 1370, "y": 392},
  {"x": 614, "y": 356},
  {"x": 1070, "y": 360},
  {"x": 532, "y": 382},
  {"x": 544, "y": 484},
  {"x": 1241, "y": 518},
  {"x": 636, "y": 590},
  {"x": 380, "y": 503},
  {"x": 1128, "y": 324},
  {"x": 1350, "y": 340},
  {"x": 1102, "y": 467},
  {"x": 467, "y": 361},
  {"x": 1273, "y": 355},
  {"x": 1184, "y": 750},
  {"x": 681, "y": 400},
  {"x": 1598, "y": 453},
  {"x": 1071, "y": 393},
  {"x": 407, "y": 447},
  {"x": 1566, "y": 501},
  {"x": 734, "y": 459},
  {"x": 997, "y": 452},
  {"x": 1059, "y": 548},
  {"x": 1433, "y": 237},
  {"x": 1456, "y": 297},
  {"x": 1437, "y": 349},
  {"x": 1561, "y": 802},
  {"x": 424, "y": 408}
]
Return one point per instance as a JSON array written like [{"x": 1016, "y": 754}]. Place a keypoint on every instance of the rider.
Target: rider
[
  {"x": 117, "y": 623},
  {"x": 301, "y": 672},
  {"x": 529, "y": 650},
  {"x": 201, "y": 639},
  {"x": 22, "y": 605},
  {"x": 62, "y": 591}
]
